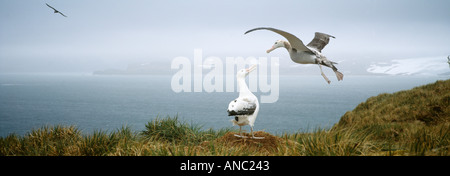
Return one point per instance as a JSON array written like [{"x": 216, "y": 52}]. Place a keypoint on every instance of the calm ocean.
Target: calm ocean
[{"x": 30, "y": 101}]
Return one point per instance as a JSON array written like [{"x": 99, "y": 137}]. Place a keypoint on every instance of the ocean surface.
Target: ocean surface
[{"x": 93, "y": 102}]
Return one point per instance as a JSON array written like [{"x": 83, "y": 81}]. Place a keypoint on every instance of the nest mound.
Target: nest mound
[{"x": 269, "y": 144}]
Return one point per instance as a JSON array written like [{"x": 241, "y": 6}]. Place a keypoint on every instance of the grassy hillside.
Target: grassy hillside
[{"x": 411, "y": 122}]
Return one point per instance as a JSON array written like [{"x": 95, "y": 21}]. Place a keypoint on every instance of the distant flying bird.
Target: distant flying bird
[
  {"x": 56, "y": 11},
  {"x": 309, "y": 54},
  {"x": 245, "y": 108}
]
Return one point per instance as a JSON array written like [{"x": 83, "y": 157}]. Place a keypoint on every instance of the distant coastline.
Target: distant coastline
[
  {"x": 133, "y": 69},
  {"x": 426, "y": 66}
]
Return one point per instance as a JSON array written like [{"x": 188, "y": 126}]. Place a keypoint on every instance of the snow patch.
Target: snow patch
[{"x": 412, "y": 66}]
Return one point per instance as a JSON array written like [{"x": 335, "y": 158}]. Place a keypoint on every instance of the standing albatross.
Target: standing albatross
[
  {"x": 56, "y": 11},
  {"x": 245, "y": 108},
  {"x": 309, "y": 54}
]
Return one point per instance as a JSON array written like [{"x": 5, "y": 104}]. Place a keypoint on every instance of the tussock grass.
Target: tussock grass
[
  {"x": 412, "y": 122},
  {"x": 56, "y": 140},
  {"x": 335, "y": 143},
  {"x": 172, "y": 130}
]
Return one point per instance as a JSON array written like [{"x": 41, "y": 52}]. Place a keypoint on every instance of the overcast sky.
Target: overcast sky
[{"x": 105, "y": 34}]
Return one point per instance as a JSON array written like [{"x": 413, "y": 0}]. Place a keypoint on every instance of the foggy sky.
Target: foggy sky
[{"x": 105, "y": 34}]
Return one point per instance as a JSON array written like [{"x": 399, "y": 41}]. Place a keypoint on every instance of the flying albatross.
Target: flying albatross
[
  {"x": 56, "y": 11},
  {"x": 309, "y": 54},
  {"x": 245, "y": 108}
]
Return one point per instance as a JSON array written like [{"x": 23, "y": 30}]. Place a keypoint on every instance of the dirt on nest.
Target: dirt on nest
[{"x": 269, "y": 143}]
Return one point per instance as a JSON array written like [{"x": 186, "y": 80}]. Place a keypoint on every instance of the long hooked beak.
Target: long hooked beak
[
  {"x": 271, "y": 49},
  {"x": 250, "y": 69}
]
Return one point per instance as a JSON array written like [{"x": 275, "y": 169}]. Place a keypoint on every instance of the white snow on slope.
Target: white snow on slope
[{"x": 413, "y": 66}]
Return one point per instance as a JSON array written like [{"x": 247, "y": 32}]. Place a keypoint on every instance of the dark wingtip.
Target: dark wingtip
[
  {"x": 330, "y": 36},
  {"x": 251, "y": 30}
]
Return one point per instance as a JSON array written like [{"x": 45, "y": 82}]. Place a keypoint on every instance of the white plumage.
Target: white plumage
[
  {"x": 245, "y": 108},
  {"x": 305, "y": 54}
]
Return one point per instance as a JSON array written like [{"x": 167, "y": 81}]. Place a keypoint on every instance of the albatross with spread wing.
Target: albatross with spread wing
[{"x": 309, "y": 54}]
